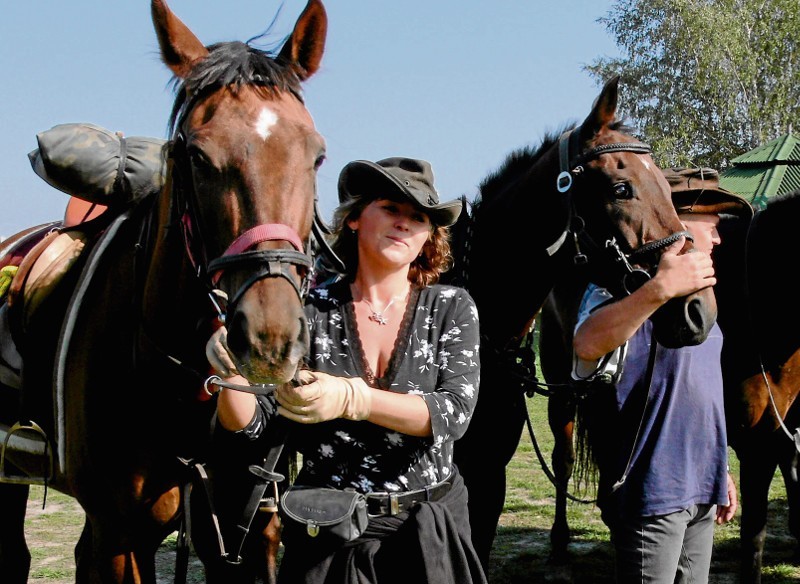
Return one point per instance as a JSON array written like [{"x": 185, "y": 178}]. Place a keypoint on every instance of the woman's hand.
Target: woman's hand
[
  {"x": 323, "y": 397},
  {"x": 218, "y": 354}
]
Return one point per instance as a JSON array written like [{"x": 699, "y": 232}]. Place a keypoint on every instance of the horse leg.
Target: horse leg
[
  {"x": 86, "y": 569},
  {"x": 792, "y": 493},
  {"x": 757, "y": 470},
  {"x": 482, "y": 455},
  {"x": 15, "y": 558},
  {"x": 561, "y": 418},
  {"x": 266, "y": 546},
  {"x": 119, "y": 545},
  {"x": 106, "y": 554}
]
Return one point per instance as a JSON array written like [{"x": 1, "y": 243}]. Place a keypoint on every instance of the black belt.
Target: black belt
[{"x": 382, "y": 504}]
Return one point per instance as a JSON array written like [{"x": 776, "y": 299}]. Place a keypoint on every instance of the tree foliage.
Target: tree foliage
[{"x": 705, "y": 80}]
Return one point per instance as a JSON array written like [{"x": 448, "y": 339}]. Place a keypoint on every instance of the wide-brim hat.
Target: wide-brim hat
[
  {"x": 697, "y": 190},
  {"x": 408, "y": 177}
]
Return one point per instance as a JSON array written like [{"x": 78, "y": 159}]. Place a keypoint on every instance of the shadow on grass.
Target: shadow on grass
[{"x": 521, "y": 555}]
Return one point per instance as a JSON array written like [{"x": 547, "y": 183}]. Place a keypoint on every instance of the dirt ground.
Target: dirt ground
[{"x": 53, "y": 531}]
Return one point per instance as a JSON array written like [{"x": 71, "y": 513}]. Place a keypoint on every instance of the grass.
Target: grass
[{"x": 521, "y": 548}]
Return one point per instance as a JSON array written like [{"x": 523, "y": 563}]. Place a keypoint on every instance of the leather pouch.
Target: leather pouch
[{"x": 323, "y": 515}]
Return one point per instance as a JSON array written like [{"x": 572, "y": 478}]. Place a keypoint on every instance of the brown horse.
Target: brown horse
[
  {"x": 115, "y": 382},
  {"x": 759, "y": 316},
  {"x": 590, "y": 197}
]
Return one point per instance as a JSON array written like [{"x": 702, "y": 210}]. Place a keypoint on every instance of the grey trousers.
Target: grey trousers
[{"x": 665, "y": 549}]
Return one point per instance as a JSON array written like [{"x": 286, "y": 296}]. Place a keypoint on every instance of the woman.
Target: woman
[{"x": 393, "y": 381}]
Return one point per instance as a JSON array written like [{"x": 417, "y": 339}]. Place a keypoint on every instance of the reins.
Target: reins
[{"x": 521, "y": 357}]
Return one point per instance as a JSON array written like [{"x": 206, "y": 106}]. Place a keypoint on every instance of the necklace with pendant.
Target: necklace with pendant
[{"x": 378, "y": 315}]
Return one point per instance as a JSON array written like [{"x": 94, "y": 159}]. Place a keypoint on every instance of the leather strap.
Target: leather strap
[{"x": 383, "y": 504}]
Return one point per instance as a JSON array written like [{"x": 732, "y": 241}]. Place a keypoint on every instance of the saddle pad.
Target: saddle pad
[
  {"x": 55, "y": 261},
  {"x": 16, "y": 247}
]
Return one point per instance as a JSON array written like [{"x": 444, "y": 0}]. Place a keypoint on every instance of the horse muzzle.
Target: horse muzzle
[{"x": 685, "y": 321}]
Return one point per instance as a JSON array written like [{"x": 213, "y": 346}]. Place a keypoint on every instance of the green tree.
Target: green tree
[{"x": 705, "y": 80}]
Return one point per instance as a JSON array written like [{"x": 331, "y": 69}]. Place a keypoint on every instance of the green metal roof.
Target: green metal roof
[{"x": 764, "y": 172}]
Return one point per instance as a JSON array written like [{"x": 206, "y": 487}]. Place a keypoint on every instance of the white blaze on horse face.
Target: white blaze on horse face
[{"x": 266, "y": 119}]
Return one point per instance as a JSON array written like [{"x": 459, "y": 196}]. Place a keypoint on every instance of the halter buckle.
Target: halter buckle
[{"x": 563, "y": 181}]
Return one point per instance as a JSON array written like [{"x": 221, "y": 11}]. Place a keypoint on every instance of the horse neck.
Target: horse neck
[
  {"x": 510, "y": 271},
  {"x": 173, "y": 296}
]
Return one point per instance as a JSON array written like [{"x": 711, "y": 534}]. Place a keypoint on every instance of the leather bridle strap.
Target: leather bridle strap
[
  {"x": 269, "y": 263},
  {"x": 571, "y": 164},
  {"x": 260, "y": 233},
  {"x": 321, "y": 230},
  {"x": 566, "y": 142},
  {"x": 238, "y": 250},
  {"x": 659, "y": 244},
  {"x": 274, "y": 263}
]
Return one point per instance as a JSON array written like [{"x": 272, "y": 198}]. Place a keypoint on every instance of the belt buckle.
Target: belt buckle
[{"x": 394, "y": 504}]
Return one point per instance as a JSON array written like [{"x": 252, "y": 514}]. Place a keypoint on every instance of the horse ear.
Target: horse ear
[
  {"x": 604, "y": 109},
  {"x": 180, "y": 48},
  {"x": 303, "y": 49}
]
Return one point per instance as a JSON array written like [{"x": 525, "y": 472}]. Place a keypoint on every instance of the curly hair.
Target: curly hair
[{"x": 426, "y": 269}]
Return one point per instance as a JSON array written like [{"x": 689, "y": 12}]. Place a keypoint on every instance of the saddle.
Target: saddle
[{"x": 104, "y": 174}]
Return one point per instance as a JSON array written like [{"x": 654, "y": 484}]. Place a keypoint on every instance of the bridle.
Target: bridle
[
  {"x": 269, "y": 263},
  {"x": 571, "y": 167}
]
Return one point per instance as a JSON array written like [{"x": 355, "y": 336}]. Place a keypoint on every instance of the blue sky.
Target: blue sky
[{"x": 459, "y": 83}]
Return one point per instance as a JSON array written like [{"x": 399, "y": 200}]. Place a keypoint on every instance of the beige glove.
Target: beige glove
[
  {"x": 325, "y": 397},
  {"x": 218, "y": 355}
]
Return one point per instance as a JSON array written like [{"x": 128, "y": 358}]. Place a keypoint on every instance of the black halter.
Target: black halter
[{"x": 571, "y": 165}]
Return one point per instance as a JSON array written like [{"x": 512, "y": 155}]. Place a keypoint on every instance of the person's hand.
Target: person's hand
[
  {"x": 726, "y": 512},
  {"x": 323, "y": 397},
  {"x": 218, "y": 355},
  {"x": 683, "y": 274}
]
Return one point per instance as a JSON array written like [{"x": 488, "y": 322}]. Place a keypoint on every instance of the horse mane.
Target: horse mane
[
  {"x": 234, "y": 64},
  {"x": 516, "y": 164},
  {"x": 520, "y": 161}
]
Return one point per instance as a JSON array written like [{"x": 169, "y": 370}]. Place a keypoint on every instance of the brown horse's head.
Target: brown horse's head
[
  {"x": 635, "y": 207},
  {"x": 244, "y": 157}
]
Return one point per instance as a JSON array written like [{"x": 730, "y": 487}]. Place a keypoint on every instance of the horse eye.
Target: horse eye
[
  {"x": 198, "y": 158},
  {"x": 623, "y": 191},
  {"x": 318, "y": 162}
]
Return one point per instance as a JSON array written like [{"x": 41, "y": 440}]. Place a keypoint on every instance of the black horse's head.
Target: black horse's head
[{"x": 623, "y": 217}]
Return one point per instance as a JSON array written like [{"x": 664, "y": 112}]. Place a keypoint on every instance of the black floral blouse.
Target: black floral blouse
[{"x": 435, "y": 356}]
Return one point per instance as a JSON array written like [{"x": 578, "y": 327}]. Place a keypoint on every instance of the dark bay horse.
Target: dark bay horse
[
  {"x": 760, "y": 318},
  {"x": 590, "y": 197},
  {"x": 117, "y": 382}
]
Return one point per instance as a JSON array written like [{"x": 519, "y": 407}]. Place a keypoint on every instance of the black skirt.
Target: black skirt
[{"x": 429, "y": 544}]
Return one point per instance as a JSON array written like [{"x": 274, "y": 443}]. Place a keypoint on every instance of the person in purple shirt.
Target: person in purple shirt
[{"x": 662, "y": 455}]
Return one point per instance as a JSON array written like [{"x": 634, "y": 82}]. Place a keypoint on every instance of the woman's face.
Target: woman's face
[{"x": 391, "y": 232}]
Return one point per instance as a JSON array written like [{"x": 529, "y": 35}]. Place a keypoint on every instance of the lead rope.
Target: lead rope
[
  {"x": 543, "y": 463},
  {"x": 651, "y": 360}
]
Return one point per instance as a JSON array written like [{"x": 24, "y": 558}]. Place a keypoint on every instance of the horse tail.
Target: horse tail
[{"x": 593, "y": 438}]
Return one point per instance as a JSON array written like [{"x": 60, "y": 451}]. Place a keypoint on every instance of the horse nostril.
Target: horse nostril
[{"x": 695, "y": 315}]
